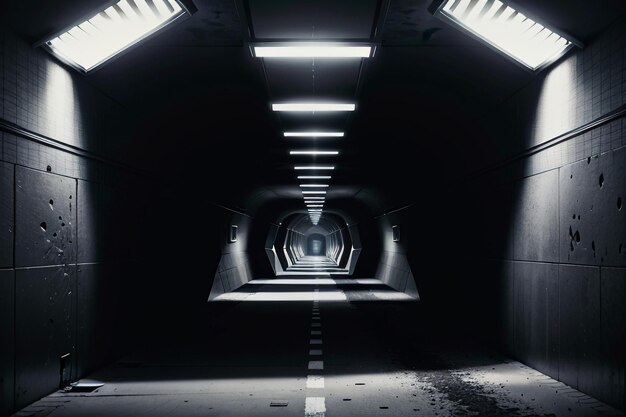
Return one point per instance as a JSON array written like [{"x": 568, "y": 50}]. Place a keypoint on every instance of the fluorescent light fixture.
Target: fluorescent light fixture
[
  {"x": 92, "y": 42},
  {"x": 326, "y": 153},
  {"x": 313, "y": 107},
  {"x": 313, "y": 185},
  {"x": 506, "y": 29},
  {"x": 313, "y": 50},
  {"x": 314, "y": 177},
  {"x": 314, "y": 168},
  {"x": 313, "y": 201},
  {"x": 315, "y": 205},
  {"x": 313, "y": 134},
  {"x": 313, "y": 192}
]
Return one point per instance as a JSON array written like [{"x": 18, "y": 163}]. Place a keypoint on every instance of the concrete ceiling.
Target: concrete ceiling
[{"x": 201, "y": 102}]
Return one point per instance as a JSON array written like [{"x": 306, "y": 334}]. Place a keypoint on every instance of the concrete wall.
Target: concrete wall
[
  {"x": 69, "y": 225},
  {"x": 549, "y": 229}
]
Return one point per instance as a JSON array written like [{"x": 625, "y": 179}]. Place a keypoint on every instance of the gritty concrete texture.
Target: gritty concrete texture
[{"x": 374, "y": 364}]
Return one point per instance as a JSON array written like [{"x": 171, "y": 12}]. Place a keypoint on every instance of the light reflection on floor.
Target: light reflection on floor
[{"x": 304, "y": 289}]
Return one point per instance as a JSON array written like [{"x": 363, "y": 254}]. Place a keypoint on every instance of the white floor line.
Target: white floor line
[
  {"x": 316, "y": 324},
  {"x": 315, "y": 352},
  {"x": 315, "y": 382},
  {"x": 315, "y": 407},
  {"x": 316, "y": 365},
  {"x": 315, "y": 342},
  {"x": 316, "y": 332}
]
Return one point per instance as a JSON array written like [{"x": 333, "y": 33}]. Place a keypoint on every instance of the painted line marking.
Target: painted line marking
[
  {"x": 316, "y": 324},
  {"x": 316, "y": 365},
  {"x": 315, "y": 342},
  {"x": 315, "y": 407},
  {"x": 315, "y": 352},
  {"x": 316, "y": 332},
  {"x": 315, "y": 382}
]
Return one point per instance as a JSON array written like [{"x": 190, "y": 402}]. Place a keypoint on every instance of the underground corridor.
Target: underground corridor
[{"x": 312, "y": 208}]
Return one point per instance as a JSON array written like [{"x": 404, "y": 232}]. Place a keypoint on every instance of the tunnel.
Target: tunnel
[{"x": 318, "y": 208}]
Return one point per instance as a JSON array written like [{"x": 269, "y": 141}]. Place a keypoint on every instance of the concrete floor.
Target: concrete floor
[{"x": 315, "y": 348}]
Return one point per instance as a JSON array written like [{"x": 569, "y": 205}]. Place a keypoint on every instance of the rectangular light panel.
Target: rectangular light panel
[
  {"x": 313, "y": 51},
  {"x": 313, "y": 185},
  {"x": 106, "y": 34},
  {"x": 315, "y": 205},
  {"x": 313, "y": 107},
  {"x": 313, "y": 134},
  {"x": 314, "y": 168},
  {"x": 313, "y": 192},
  {"x": 313, "y": 152},
  {"x": 507, "y": 30},
  {"x": 314, "y": 177}
]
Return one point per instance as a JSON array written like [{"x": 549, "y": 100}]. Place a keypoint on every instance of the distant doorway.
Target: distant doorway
[{"x": 316, "y": 245}]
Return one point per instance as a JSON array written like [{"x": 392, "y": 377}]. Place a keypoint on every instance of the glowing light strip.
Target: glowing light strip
[
  {"x": 313, "y": 192},
  {"x": 313, "y": 185},
  {"x": 314, "y": 168},
  {"x": 327, "y": 153},
  {"x": 313, "y": 134},
  {"x": 313, "y": 107},
  {"x": 314, "y": 177},
  {"x": 313, "y": 50}
]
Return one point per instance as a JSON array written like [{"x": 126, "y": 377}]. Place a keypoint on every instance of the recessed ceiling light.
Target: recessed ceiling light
[
  {"x": 313, "y": 192},
  {"x": 313, "y": 201},
  {"x": 313, "y": 107},
  {"x": 315, "y": 205},
  {"x": 507, "y": 30},
  {"x": 312, "y": 50},
  {"x": 313, "y": 185},
  {"x": 314, "y": 198},
  {"x": 314, "y": 177},
  {"x": 327, "y": 153},
  {"x": 110, "y": 31},
  {"x": 313, "y": 134},
  {"x": 314, "y": 168}
]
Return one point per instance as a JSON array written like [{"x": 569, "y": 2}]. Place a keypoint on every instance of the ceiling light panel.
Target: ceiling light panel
[
  {"x": 314, "y": 177},
  {"x": 313, "y": 107},
  {"x": 314, "y": 168},
  {"x": 312, "y": 50},
  {"x": 323, "y": 153},
  {"x": 107, "y": 33},
  {"x": 505, "y": 28},
  {"x": 313, "y": 185},
  {"x": 313, "y": 134},
  {"x": 313, "y": 192}
]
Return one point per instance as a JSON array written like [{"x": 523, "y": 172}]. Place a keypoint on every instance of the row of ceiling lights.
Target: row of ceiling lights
[
  {"x": 112, "y": 30},
  {"x": 313, "y": 193}
]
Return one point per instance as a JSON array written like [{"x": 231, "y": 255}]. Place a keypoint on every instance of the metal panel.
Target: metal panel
[
  {"x": 6, "y": 214},
  {"x": 45, "y": 218},
  {"x": 45, "y": 329},
  {"x": 613, "y": 342},
  {"x": 536, "y": 227},
  {"x": 321, "y": 19},
  {"x": 536, "y": 315},
  {"x": 579, "y": 312},
  {"x": 7, "y": 364},
  {"x": 593, "y": 215}
]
